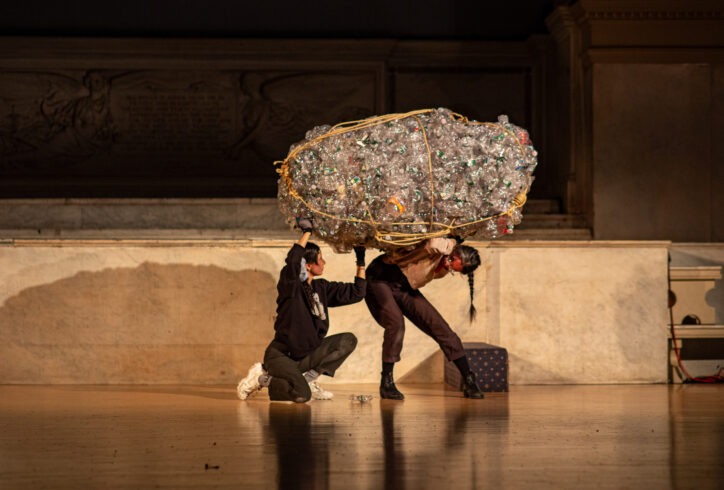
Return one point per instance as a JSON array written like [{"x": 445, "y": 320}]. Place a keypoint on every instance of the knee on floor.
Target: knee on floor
[
  {"x": 348, "y": 342},
  {"x": 303, "y": 394}
]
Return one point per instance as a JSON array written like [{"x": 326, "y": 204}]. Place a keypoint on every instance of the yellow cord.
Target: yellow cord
[{"x": 389, "y": 237}]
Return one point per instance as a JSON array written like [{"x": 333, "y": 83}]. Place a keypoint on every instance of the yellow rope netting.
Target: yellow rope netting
[{"x": 392, "y": 237}]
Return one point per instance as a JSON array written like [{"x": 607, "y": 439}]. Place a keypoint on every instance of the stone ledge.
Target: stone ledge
[
  {"x": 276, "y": 240},
  {"x": 696, "y": 273},
  {"x": 223, "y": 213},
  {"x": 698, "y": 331},
  {"x": 140, "y": 214}
]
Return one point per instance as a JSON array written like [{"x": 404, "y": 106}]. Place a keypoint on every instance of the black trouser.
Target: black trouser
[
  {"x": 287, "y": 382},
  {"x": 390, "y": 298}
]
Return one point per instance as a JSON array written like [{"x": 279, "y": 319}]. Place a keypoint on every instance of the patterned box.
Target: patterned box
[{"x": 488, "y": 362}]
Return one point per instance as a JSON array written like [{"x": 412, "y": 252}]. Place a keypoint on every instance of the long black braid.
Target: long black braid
[
  {"x": 471, "y": 282},
  {"x": 471, "y": 260}
]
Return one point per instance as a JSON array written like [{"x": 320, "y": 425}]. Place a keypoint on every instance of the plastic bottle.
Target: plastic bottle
[{"x": 360, "y": 398}]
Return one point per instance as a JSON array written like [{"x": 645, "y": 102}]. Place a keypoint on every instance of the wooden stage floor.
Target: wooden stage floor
[{"x": 622, "y": 436}]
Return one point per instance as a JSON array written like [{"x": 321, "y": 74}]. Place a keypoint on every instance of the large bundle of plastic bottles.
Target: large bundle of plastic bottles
[{"x": 393, "y": 181}]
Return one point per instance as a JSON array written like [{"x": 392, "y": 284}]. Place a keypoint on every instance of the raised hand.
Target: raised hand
[
  {"x": 360, "y": 253},
  {"x": 305, "y": 224}
]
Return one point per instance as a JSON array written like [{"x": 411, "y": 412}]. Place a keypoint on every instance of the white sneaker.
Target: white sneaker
[
  {"x": 319, "y": 393},
  {"x": 250, "y": 384}
]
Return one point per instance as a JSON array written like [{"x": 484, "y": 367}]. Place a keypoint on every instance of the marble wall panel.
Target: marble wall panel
[
  {"x": 204, "y": 312},
  {"x": 582, "y": 315},
  {"x": 133, "y": 315}
]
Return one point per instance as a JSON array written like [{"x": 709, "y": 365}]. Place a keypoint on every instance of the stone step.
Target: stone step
[
  {"x": 550, "y": 234},
  {"x": 7, "y": 236},
  {"x": 120, "y": 214},
  {"x": 546, "y": 221},
  {"x": 207, "y": 218},
  {"x": 542, "y": 206},
  {"x": 244, "y": 213}
]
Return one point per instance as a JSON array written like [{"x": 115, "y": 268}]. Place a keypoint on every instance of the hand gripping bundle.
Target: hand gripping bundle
[{"x": 395, "y": 180}]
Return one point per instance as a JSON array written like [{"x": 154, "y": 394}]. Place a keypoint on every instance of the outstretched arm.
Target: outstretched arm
[
  {"x": 306, "y": 226},
  {"x": 360, "y": 256},
  {"x": 304, "y": 238},
  {"x": 345, "y": 293},
  {"x": 290, "y": 272}
]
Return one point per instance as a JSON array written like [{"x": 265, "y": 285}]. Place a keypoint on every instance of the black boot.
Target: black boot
[
  {"x": 470, "y": 387},
  {"x": 388, "y": 388}
]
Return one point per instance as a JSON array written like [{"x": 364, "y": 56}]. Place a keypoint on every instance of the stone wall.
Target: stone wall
[
  {"x": 641, "y": 96},
  {"x": 655, "y": 170},
  {"x": 201, "y": 311},
  {"x": 197, "y": 118}
]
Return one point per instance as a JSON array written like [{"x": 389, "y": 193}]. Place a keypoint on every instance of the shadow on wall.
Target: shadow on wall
[{"x": 154, "y": 324}]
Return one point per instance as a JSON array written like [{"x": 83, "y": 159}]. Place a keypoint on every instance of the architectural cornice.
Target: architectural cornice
[
  {"x": 649, "y": 10},
  {"x": 656, "y": 15},
  {"x": 639, "y": 15},
  {"x": 642, "y": 24},
  {"x": 108, "y": 53}
]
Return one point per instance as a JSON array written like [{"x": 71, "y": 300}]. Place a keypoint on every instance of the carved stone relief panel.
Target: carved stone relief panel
[{"x": 101, "y": 132}]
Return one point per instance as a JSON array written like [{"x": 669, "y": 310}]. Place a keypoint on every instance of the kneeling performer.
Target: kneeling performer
[{"x": 301, "y": 351}]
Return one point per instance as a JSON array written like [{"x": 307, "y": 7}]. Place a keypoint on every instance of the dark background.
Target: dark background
[
  {"x": 499, "y": 30},
  {"x": 442, "y": 19}
]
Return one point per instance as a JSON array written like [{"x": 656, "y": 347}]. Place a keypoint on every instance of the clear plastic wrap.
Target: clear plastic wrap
[{"x": 393, "y": 181}]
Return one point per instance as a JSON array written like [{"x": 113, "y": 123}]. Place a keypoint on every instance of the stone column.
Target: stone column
[{"x": 641, "y": 104}]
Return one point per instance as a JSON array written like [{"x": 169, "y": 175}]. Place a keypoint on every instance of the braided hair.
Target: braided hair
[{"x": 470, "y": 259}]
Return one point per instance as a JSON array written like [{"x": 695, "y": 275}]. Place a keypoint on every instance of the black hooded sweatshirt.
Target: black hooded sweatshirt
[{"x": 295, "y": 325}]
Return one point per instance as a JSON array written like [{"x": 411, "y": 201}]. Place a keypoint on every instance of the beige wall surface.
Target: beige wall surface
[
  {"x": 133, "y": 315},
  {"x": 581, "y": 314},
  {"x": 202, "y": 312}
]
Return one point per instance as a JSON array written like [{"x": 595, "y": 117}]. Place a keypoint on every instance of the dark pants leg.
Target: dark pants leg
[
  {"x": 381, "y": 303},
  {"x": 333, "y": 351},
  {"x": 390, "y": 298},
  {"x": 425, "y": 317},
  {"x": 287, "y": 381}
]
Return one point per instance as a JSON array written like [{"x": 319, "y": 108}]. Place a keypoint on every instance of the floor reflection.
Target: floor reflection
[
  {"x": 302, "y": 450},
  {"x": 443, "y": 440},
  {"x": 428, "y": 441},
  {"x": 692, "y": 450},
  {"x": 542, "y": 437},
  {"x": 392, "y": 443}
]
